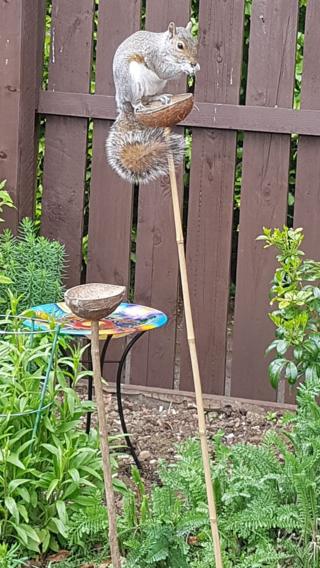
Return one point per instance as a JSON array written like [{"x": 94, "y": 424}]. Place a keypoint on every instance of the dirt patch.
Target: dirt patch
[{"x": 156, "y": 428}]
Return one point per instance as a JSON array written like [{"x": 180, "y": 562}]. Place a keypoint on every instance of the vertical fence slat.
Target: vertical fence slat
[
  {"x": 66, "y": 137},
  {"x": 18, "y": 75},
  {"x": 156, "y": 276},
  {"x": 211, "y": 194},
  {"x": 264, "y": 192},
  {"x": 307, "y": 193},
  {"x": 307, "y": 190},
  {"x": 110, "y": 196}
]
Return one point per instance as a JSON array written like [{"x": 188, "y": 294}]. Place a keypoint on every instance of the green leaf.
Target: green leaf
[
  {"x": 85, "y": 500},
  {"x": 45, "y": 540},
  {"x": 282, "y": 347},
  {"x": 75, "y": 475},
  {"x": 53, "y": 485},
  {"x": 4, "y": 279},
  {"x": 31, "y": 533},
  {"x": 61, "y": 510},
  {"x": 52, "y": 449},
  {"x": 23, "y": 512},
  {"x": 291, "y": 373},
  {"x": 14, "y": 483},
  {"x": 120, "y": 486},
  {"x": 57, "y": 526},
  {"x": 22, "y": 534},
  {"x": 91, "y": 471},
  {"x": 71, "y": 488},
  {"x": 12, "y": 508},
  {"x": 311, "y": 372},
  {"x": 275, "y": 368},
  {"x": 24, "y": 494},
  {"x": 28, "y": 537},
  {"x": 297, "y": 353},
  {"x": 14, "y": 460},
  {"x": 316, "y": 292}
]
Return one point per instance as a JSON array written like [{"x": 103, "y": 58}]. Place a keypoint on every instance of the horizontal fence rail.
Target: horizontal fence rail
[{"x": 204, "y": 115}]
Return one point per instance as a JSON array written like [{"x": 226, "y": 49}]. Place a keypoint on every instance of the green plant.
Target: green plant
[
  {"x": 153, "y": 528},
  {"x": 268, "y": 499},
  {"x": 34, "y": 266},
  {"x": 10, "y": 557},
  {"x": 295, "y": 290},
  {"x": 5, "y": 201},
  {"x": 47, "y": 480}
]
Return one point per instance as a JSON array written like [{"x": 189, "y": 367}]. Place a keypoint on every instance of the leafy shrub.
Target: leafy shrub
[
  {"x": 34, "y": 266},
  {"x": 46, "y": 480},
  {"x": 296, "y": 292}
]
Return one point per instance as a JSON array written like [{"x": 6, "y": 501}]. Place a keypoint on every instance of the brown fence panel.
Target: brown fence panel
[
  {"x": 211, "y": 194},
  {"x": 156, "y": 276},
  {"x": 66, "y": 138},
  {"x": 110, "y": 196},
  {"x": 307, "y": 195},
  {"x": 264, "y": 192},
  {"x": 18, "y": 75}
]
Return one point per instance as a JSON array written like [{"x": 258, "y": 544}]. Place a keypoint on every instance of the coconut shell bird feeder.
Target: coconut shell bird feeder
[
  {"x": 167, "y": 116},
  {"x": 94, "y": 302}
]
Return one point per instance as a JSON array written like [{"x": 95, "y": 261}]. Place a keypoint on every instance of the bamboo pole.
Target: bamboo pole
[
  {"x": 194, "y": 361},
  {"x": 103, "y": 430}
]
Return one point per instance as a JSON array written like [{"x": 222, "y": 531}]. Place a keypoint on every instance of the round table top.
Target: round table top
[{"x": 125, "y": 320}]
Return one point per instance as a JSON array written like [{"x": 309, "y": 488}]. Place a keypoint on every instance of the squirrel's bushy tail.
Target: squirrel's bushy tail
[{"x": 140, "y": 154}]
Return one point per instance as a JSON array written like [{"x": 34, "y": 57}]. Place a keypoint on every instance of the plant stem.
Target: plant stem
[{"x": 104, "y": 444}]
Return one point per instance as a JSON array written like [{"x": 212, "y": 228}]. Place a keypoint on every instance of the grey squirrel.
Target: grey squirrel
[{"x": 142, "y": 65}]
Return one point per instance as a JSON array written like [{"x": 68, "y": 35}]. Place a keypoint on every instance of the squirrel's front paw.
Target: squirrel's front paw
[
  {"x": 165, "y": 99},
  {"x": 139, "y": 107}
]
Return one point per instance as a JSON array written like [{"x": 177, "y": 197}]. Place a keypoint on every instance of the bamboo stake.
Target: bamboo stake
[
  {"x": 103, "y": 430},
  {"x": 194, "y": 361}
]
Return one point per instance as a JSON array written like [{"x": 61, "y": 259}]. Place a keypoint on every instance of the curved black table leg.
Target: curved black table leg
[
  {"x": 90, "y": 378},
  {"x": 104, "y": 351},
  {"x": 119, "y": 399}
]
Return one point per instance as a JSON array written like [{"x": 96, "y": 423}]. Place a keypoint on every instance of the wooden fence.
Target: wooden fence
[{"x": 87, "y": 31}]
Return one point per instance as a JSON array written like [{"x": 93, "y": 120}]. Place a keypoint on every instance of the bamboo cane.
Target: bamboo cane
[
  {"x": 103, "y": 430},
  {"x": 194, "y": 361}
]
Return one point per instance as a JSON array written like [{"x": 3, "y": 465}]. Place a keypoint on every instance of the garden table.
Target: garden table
[{"x": 128, "y": 319}]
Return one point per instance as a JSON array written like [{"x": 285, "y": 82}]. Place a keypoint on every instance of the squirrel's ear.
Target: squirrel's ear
[
  {"x": 172, "y": 29},
  {"x": 189, "y": 26}
]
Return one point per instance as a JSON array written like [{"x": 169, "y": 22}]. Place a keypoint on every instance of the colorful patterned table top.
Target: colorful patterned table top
[{"x": 125, "y": 320}]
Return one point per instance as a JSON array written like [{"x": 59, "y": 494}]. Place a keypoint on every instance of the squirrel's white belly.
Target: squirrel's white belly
[{"x": 144, "y": 81}]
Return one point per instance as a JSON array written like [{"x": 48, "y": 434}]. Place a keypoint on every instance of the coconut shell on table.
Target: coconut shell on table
[
  {"x": 94, "y": 301},
  {"x": 156, "y": 114}
]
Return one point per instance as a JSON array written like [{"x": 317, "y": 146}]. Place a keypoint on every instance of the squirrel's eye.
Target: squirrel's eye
[{"x": 180, "y": 45}]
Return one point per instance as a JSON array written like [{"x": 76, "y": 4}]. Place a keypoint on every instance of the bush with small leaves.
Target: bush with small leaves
[{"x": 296, "y": 293}]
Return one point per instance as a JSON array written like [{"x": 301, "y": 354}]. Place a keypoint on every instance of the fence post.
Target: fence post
[{"x": 18, "y": 82}]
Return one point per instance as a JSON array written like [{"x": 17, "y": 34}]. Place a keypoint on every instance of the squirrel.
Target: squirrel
[{"x": 142, "y": 65}]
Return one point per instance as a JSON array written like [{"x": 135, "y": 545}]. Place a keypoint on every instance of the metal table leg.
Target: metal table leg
[
  {"x": 119, "y": 399},
  {"x": 118, "y": 390}
]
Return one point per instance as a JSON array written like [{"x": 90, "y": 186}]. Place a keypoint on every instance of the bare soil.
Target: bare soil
[{"x": 156, "y": 428}]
